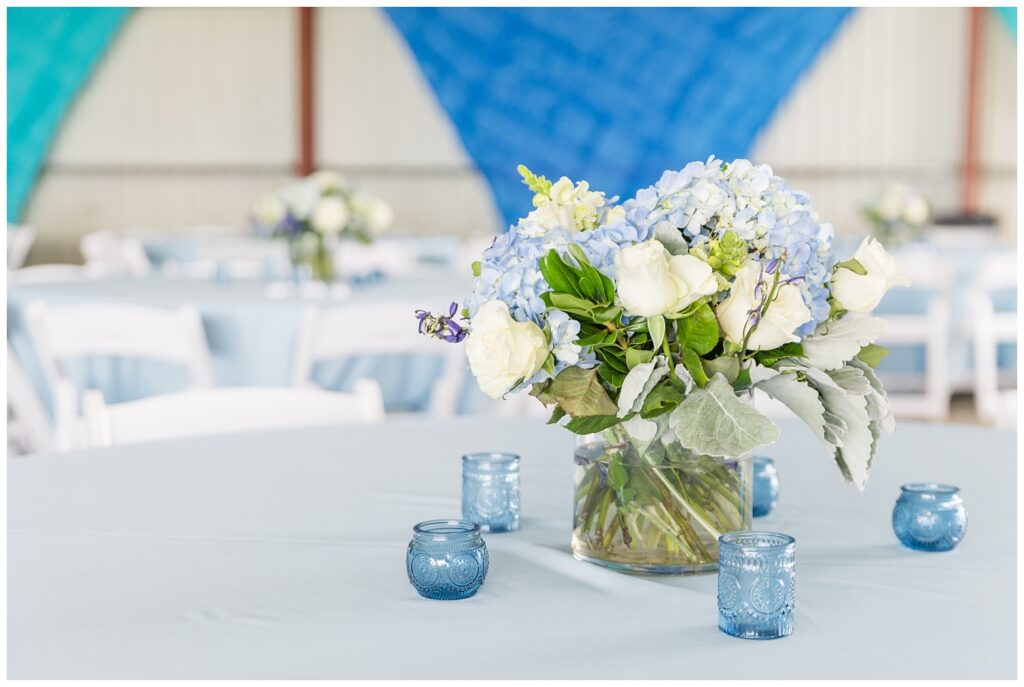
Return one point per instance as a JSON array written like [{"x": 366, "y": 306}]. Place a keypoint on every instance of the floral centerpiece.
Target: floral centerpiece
[
  {"x": 897, "y": 214},
  {"x": 647, "y": 326},
  {"x": 314, "y": 213}
]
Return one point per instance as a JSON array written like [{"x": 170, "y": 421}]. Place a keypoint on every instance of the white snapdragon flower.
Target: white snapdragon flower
[
  {"x": 863, "y": 292},
  {"x": 784, "y": 316},
  {"x": 502, "y": 351},
  {"x": 653, "y": 282},
  {"x": 573, "y": 208}
]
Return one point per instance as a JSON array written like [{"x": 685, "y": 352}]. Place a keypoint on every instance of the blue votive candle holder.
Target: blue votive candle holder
[
  {"x": 447, "y": 559},
  {"x": 766, "y": 486},
  {"x": 929, "y": 517},
  {"x": 490, "y": 491},
  {"x": 756, "y": 584}
]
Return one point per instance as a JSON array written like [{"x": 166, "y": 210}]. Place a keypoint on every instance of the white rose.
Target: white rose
[
  {"x": 502, "y": 351},
  {"x": 784, "y": 315},
  {"x": 863, "y": 292},
  {"x": 652, "y": 282},
  {"x": 331, "y": 215}
]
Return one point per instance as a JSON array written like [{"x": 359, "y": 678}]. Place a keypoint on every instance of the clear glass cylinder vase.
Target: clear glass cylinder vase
[
  {"x": 651, "y": 506},
  {"x": 313, "y": 252}
]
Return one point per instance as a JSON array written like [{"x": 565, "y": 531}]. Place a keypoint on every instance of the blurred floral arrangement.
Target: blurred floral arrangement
[
  {"x": 897, "y": 214},
  {"x": 315, "y": 212},
  {"x": 652, "y": 322}
]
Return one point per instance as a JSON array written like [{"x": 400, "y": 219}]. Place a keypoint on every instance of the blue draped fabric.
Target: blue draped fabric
[
  {"x": 614, "y": 96},
  {"x": 50, "y": 54}
]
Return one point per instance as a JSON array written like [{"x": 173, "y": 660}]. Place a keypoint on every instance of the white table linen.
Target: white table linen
[{"x": 281, "y": 555}]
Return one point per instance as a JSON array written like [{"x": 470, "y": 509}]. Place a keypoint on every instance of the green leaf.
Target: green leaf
[
  {"x": 853, "y": 265},
  {"x": 789, "y": 350},
  {"x": 656, "y": 327},
  {"x": 611, "y": 375},
  {"x": 713, "y": 422},
  {"x": 692, "y": 363},
  {"x": 617, "y": 475},
  {"x": 580, "y": 393},
  {"x": 592, "y": 424},
  {"x": 699, "y": 331},
  {"x": 559, "y": 276},
  {"x": 476, "y": 268},
  {"x": 872, "y": 354},
  {"x": 557, "y": 414},
  {"x": 610, "y": 314},
  {"x": 568, "y": 303},
  {"x": 726, "y": 365},
  {"x": 635, "y": 356},
  {"x": 549, "y": 365},
  {"x": 597, "y": 338},
  {"x": 662, "y": 399}
]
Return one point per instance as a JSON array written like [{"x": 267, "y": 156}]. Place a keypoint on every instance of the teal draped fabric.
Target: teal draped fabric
[
  {"x": 1009, "y": 17},
  {"x": 50, "y": 54}
]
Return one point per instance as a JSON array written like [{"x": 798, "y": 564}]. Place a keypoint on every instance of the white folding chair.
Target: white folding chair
[
  {"x": 225, "y": 410},
  {"x": 377, "y": 329},
  {"x": 29, "y": 429},
  {"x": 994, "y": 403},
  {"x": 913, "y": 394},
  {"x": 115, "y": 330},
  {"x": 111, "y": 254},
  {"x": 20, "y": 238}
]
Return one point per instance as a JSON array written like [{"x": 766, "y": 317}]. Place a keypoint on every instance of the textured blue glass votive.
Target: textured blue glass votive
[
  {"x": 490, "y": 491},
  {"x": 766, "y": 486},
  {"x": 756, "y": 584},
  {"x": 447, "y": 559},
  {"x": 929, "y": 517}
]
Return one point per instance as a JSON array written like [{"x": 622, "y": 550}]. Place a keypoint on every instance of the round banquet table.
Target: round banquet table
[
  {"x": 281, "y": 555},
  {"x": 251, "y": 328}
]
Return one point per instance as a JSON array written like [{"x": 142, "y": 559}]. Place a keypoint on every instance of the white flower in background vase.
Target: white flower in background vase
[
  {"x": 375, "y": 212},
  {"x": 863, "y": 292},
  {"x": 502, "y": 351},
  {"x": 302, "y": 198},
  {"x": 327, "y": 180},
  {"x": 916, "y": 212},
  {"x": 653, "y": 282},
  {"x": 331, "y": 215},
  {"x": 784, "y": 316},
  {"x": 269, "y": 210}
]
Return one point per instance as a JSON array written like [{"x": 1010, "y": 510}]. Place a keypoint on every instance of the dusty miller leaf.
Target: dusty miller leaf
[
  {"x": 843, "y": 341},
  {"x": 802, "y": 399},
  {"x": 639, "y": 382},
  {"x": 712, "y": 421}
]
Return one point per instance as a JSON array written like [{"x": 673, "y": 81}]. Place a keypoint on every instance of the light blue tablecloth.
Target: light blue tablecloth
[
  {"x": 251, "y": 337},
  {"x": 281, "y": 555}
]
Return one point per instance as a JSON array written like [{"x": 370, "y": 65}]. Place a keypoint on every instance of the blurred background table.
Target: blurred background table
[
  {"x": 280, "y": 555},
  {"x": 251, "y": 328}
]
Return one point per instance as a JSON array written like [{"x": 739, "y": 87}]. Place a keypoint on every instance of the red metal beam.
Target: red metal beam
[
  {"x": 969, "y": 198},
  {"x": 306, "y": 162}
]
